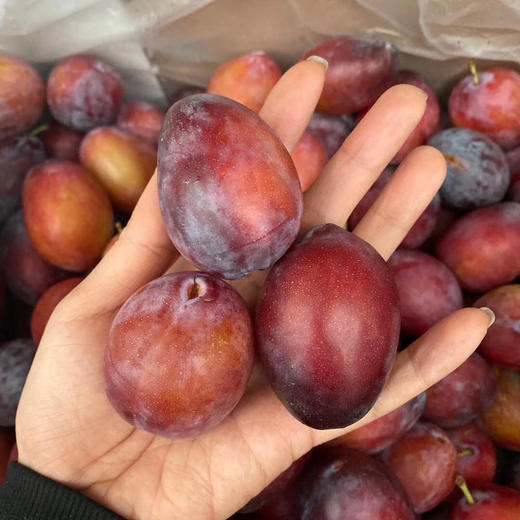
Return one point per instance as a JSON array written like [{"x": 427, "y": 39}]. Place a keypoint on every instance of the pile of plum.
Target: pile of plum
[{"x": 331, "y": 314}]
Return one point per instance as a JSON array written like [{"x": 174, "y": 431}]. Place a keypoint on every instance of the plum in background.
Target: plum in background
[
  {"x": 463, "y": 395},
  {"x": 22, "y": 92},
  {"x": 17, "y": 155},
  {"x": 6, "y": 445},
  {"x": 247, "y": 79},
  {"x": 179, "y": 355},
  {"x": 83, "y": 92},
  {"x": 477, "y": 169},
  {"x": 15, "y": 361},
  {"x": 26, "y": 274},
  {"x": 332, "y": 130},
  {"x": 277, "y": 486},
  {"x": 383, "y": 432},
  {"x": 309, "y": 157},
  {"x": 68, "y": 215},
  {"x": 476, "y": 456},
  {"x": 121, "y": 162},
  {"x": 327, "y": 327},
  {"x": 490, "y": 502},
  {"x": 46, "y": 305},
  {"x": 513, "y": 159},
  {"x": 228, "y": 189},
  {"x": 482, "y": 247},
  {"x": 424, "y": 460},
  {"x": 489, "y": 102},
  {"x": 351, "y": 484},
  {"x": 422, "y": 228},
  {"x": 501, "y": 345},
  {"x": 502, "y": 420},
  {"x": 359, "y": 72},
  {"x": 61, "y": 142},
  {"x": 428, "y": 290},
  {"x": 142, "y": 120}
]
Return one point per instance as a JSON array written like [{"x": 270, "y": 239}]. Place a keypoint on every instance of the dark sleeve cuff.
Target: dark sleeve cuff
[{"x": 26, "y": 495}]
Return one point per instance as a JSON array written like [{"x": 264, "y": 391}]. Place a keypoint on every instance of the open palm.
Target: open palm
[{"x": 66, "y": 428}]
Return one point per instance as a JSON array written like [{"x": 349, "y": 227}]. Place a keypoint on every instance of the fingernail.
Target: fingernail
[
  {"x": 320, "y": 60},
  {"x": 490, "y": 313}
]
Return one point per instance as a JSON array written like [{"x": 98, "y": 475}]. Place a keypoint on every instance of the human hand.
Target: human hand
[{"x": 67, "y": 429}]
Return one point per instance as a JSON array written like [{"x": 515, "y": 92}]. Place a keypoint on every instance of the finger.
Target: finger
[
  {"x": 428, "y": 360},
  {"x": 142, "y": 253},
  {"x": 363, "y": 156},
  {"x": 405, "y": 197}
]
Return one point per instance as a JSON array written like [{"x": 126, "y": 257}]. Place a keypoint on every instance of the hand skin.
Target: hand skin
[{"x": 66, "y": 428}]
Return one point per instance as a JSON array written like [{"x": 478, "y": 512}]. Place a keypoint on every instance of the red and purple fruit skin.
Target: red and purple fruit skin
[
  {"x": 22, "y": 92},
  {"x": 309, "y": 157},
  {"x": 492, "y": 502},
  {"x": 26, "y": 274},
  {"x": 17, "y": 155},
  {"x": 477, "y": 169},
  {"x": 47, "y": 303},
  {"x": 513, "y": 159},
  {"x": 332, "y": 130},
  {"x": 83, "y": 92},
  {"x": 185, "y": 91},
  {"x": 491, "y": 107},
  {"x": 424, "y": 460},
  {"x": 463, "y": 395},
  {"x": 141, "y": 119},
  {"x": 327, "y": 327},
  {"x": 428, "y": 290},
  {"x": 179, "y": 355},
  {"x": 476, "y": 455},
  {"x": 482, "y": 247},
  {"x": 383, "y": 432},
  {"x": 68, "y": 215},
  {"x": 61, "y": 142},
  {"x": 6, "y": 444},
  {"x": 228, "y": 189},
  {"x": 501, "y": 344},
  {"x": 359, "y": 72},
  {"x": 352, "y": 484}
]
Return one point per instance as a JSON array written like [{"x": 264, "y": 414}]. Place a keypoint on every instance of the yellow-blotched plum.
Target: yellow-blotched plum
[
  {"x": 327, "y": 327},
  {"x": 68, "y": 215},
  {"x": 179, "y": 355},
  {"x": 359, "y": 72},
  {"x": 228, "y": 189}
]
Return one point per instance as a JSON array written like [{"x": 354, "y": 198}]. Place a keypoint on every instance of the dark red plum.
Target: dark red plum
[
  {"x": 68, "y": 215},
  {"x": 513, "y": 477},
  {"x": 359, "y": 72},
  {"x": 424, "y": 460},
  {"x": 327, "y": 327},
  {"x": 17, "y": 155},
  {"x": 309, "y": 157},
  {"x": 277, "y": 486},
  {"x": 422, "y": 228},
  {"x": 476, "y": 456},
  {"x": 428, "y": 290},
  {"x": 47, "y": 303},
  {"x": 141, "y": 119},
  {"x": 489, "y": 102},
  {"x": 478, "y": 173},
  {"x": 83, "y": 92},
  {"x": 356, "y": 486},
  {"x": 247, "y": 79},
  {"x": 490, "y": 502},
  {"x": 502, "y": 420},
  {"x": 284, "y": 506},
  {"x": 22, "y": 92},
  {"x": 481, "y": 248},
  {"x": 26, "y": 274},
  {"x": 185, "y": 323},
  {"x": 332, "y": 130},
  {"x": 462, "y": 396},
  {"x": 61, "y": 142},
  {"x": 6, "y": 445},
  {"x": 441, "y": 512},
  {"x": 15, "y": 361},
  {"x": 502, "y": 342},
  {"x": 383, "y": 432},
  {"x": 228, "y": 189},
  {"x": 513, "y": 159},
  {"x": 185, "y": 91},
  {"x": 429, "y": 123},
  {"x": 445, "y": 219}
]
